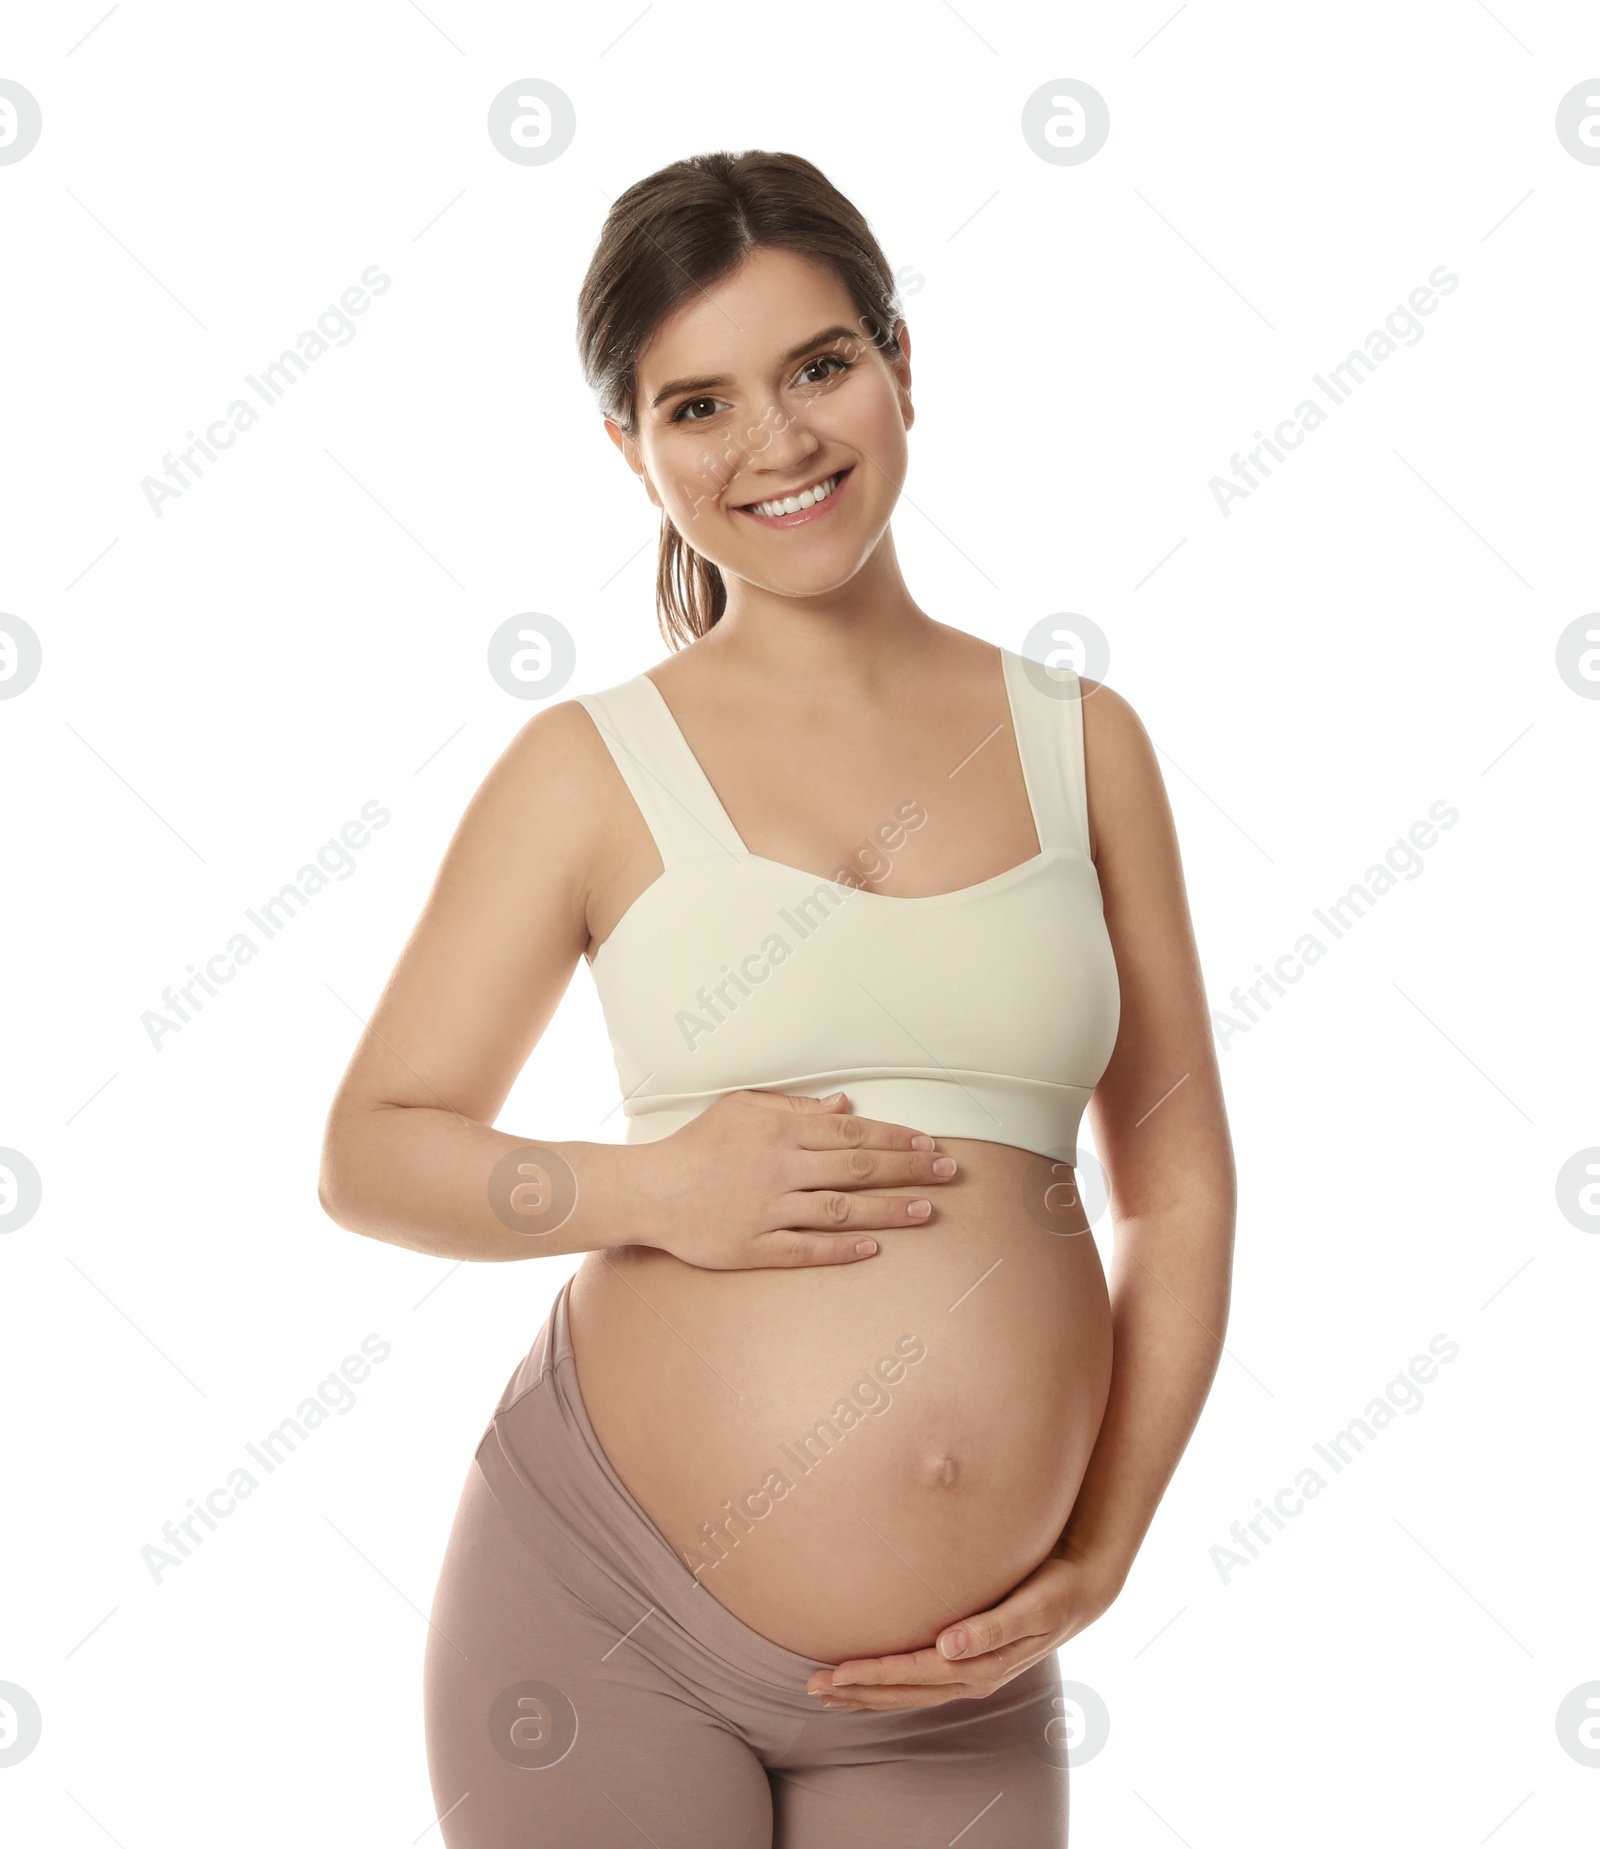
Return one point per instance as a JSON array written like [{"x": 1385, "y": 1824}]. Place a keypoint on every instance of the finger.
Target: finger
[
  {"x": 985, "y": 1635},
  {"x": 796, "y": 1100},
  {"x": 874, "y": 1168},
  {"x": 883, "y": 1700},
  {"x": 977, "y": 1679},
  {"x": 844, "y": 1129},
  {"x": 1017, "y": 1615},
  {"x": 835, "y": 1126},
  {"x": 911, "y": 1666},
  {"x": 1015, "y": 1634},
  {"x": 788, "y": 1249},
  {"x": 852, "y": 1213}
]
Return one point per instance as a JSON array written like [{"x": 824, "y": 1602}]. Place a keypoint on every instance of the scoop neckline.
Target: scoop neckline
[
  {"x": 891, "y": 898},
  {"x": 708, "y": 790}
]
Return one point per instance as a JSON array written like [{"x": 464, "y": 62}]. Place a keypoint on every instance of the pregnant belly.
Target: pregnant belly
[{"x": 852, "y": 1457}]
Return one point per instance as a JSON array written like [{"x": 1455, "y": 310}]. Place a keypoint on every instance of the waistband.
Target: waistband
[
  {"x": 991, "y": 1107},
  {"x": 547, "y": 1470}
]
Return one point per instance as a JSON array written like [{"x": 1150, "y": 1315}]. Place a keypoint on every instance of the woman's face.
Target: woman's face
[{"x": 762, "y": 386}]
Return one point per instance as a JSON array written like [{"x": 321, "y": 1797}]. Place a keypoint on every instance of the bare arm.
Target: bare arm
[
  {"x": 1160, "y": 1126},
  {"x": 408, "y": 1154}
]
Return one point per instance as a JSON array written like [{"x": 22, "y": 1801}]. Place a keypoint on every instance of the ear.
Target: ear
[
  {"x": 631, "y": 455},
  {"x": 902, "y": 372}
]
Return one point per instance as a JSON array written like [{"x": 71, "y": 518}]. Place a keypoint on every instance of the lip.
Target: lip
[{"x": 806, "y": 514}]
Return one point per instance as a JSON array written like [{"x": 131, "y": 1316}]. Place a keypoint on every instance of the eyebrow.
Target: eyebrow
[{"x": 794, "y": 353}]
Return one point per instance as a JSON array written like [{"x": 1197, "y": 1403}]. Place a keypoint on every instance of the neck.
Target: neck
[{"x": 860, "y": 635}]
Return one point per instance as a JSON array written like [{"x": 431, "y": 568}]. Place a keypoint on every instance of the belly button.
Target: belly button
[{"x": 940, "y": 1470}]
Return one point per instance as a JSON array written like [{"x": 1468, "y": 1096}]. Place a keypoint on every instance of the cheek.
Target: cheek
[
  {"x": 876, "y": 428},
  {"x": 691, "y": 476}
]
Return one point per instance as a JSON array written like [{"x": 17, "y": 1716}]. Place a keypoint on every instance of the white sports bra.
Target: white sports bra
[{"x": 986, "y": 1012}]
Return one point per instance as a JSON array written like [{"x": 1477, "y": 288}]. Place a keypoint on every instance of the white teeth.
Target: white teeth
[{"x": 792, "y": 504}]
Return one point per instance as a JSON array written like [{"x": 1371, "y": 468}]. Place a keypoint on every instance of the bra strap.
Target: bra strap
[
  {"x": 1047, "y": 705},
  {"x": 664, "y": 777}
]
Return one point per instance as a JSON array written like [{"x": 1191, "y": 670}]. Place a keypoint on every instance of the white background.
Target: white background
[{"x": 1370, "y": 632}]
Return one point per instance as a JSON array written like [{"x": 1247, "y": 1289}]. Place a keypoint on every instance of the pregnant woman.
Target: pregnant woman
[{"x": 836, "y": 1433}]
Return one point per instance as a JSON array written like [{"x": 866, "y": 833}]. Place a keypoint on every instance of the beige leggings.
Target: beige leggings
[{"x": 583, "y": 1690}]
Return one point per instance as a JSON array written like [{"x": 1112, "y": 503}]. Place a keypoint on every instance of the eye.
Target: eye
[
  {"x": 681, "y": 416},
  {"x": 827, "y": 359},
  {"x": 688, "y": 403}
]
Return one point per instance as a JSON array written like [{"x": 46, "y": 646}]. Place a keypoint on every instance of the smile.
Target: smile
[{"x": 796, "y": 509}]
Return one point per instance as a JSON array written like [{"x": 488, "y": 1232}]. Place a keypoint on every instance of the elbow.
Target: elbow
[
  {"x": 332, "y": 1197},
  {"x": 349, "y": 1189},
  {"x": 327, "y": 1200}
]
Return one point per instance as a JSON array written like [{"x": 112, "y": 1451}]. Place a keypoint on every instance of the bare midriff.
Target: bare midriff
[{"x": 852, "y": 1457}]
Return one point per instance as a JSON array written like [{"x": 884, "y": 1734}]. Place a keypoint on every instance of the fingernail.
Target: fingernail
[
  {"x": 918, "y": 1210},
  {"x": 833, "y": 1097},
  {"x": 954, "y": 1643},
  {"x": 922, "y": 1142},
  {"x": 866, "y": 1247},
  {"x": 944, "y": 1166},
  {"x": 842, "y": 1681}
]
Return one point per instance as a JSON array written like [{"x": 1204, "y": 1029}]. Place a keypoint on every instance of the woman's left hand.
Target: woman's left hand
[{"x": 1062, "y": 1595}]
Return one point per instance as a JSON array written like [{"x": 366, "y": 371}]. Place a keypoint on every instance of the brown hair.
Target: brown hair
[{"x": 677, "y": 232}]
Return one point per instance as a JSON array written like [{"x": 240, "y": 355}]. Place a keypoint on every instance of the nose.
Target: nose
[{"x": 780, "y": 444}]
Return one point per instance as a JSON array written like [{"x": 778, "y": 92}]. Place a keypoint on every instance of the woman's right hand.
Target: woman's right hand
[{"x": 764, "y": 1179}]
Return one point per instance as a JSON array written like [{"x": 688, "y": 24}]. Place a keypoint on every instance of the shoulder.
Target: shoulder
[
  {"x": 558, "y": 766},
  {"x": 1111, "y": 728},
  {"x": 1123, "y": 778}
]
